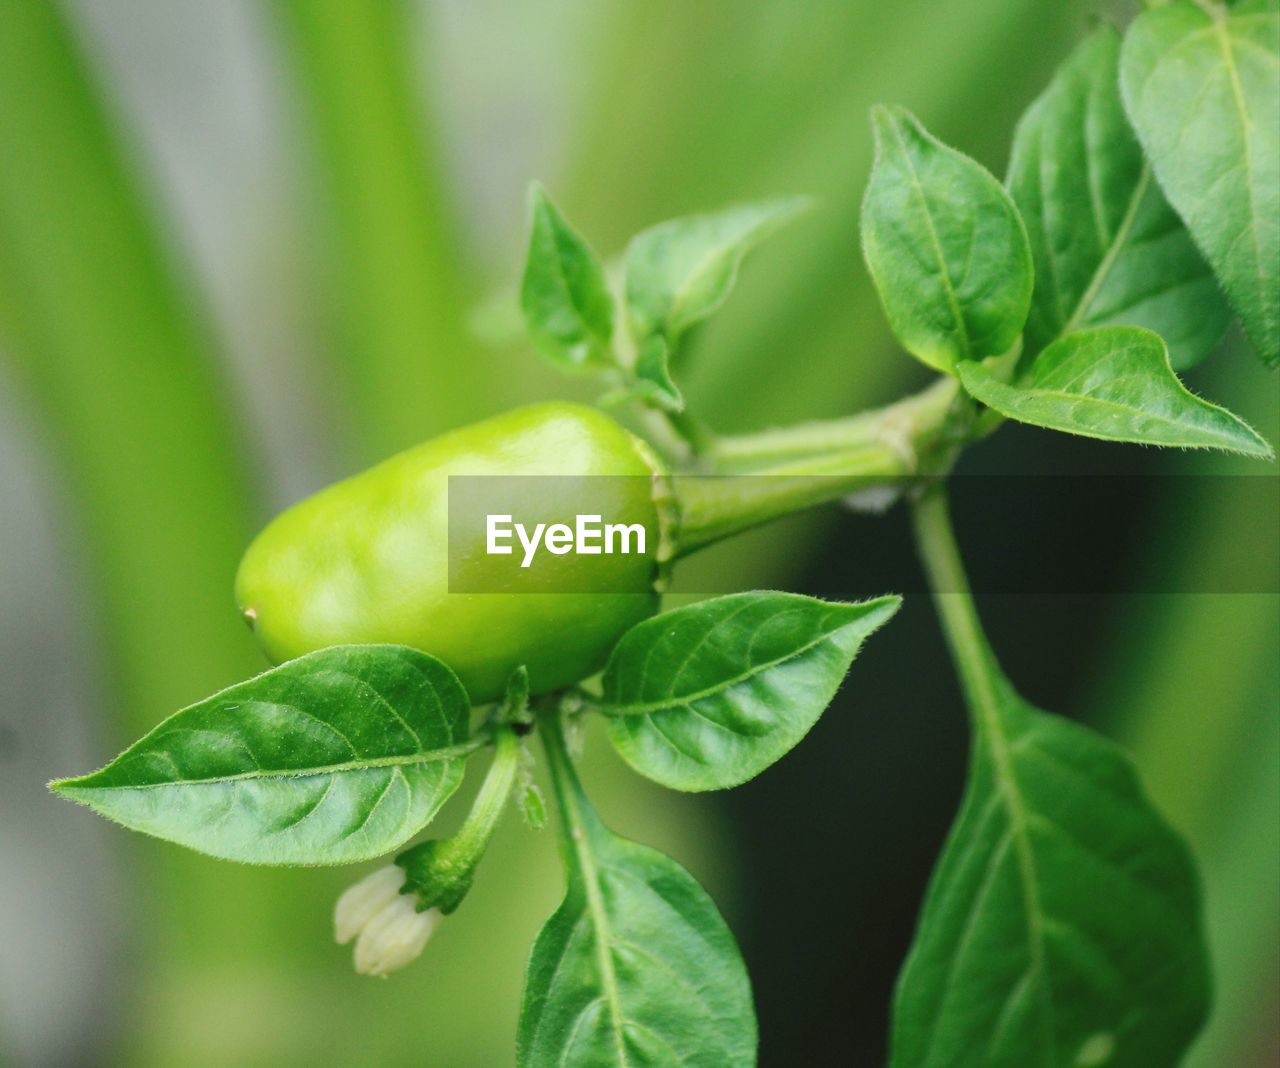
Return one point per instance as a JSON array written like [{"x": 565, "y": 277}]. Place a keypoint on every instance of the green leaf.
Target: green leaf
[
  {"x": 945, "y": 245},
  {"x": 532, "y": 807},
  {"x": 1115, "y": 383},
  {"x": 707, "y": 696},
  {"x": 338, "y": 756},
  {"x": 1062, "y": 923},
  {"x": 636, "y": 966},
  {"x": 1201, "y": 90},
  {"x": 515, "y": 701},
  {"x": 568, "y": 309},
  {"x": 680, "y": 271},
  {"x": 653, "y": 376},
  {"x": 1108, "y": 249}
]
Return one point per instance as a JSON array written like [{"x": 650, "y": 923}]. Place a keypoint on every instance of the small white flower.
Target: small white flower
[
  {"x": 388, "y": 928},
  {"x": 394, "y": 937},
  {"x": 358, "y": 904}
]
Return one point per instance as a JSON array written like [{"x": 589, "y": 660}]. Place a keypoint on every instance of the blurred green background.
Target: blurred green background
[{"x": 242, "y": 245}]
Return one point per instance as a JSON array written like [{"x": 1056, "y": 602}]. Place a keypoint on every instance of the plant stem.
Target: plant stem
[
  {"x": 713, "y": 507},
  {"x": 582, "y": 836},
  {"x": 577, "y": 817},
  {"x": 441, "y": 870},
  {"x": 910, "y": 421},
  {"x": 765, "y": 476},
  {"x": 987, "y": 693},
  {"x": 692, "y": 431},
  {"x": 486, "y": 809},
  {"x": 953, "y": 597}
]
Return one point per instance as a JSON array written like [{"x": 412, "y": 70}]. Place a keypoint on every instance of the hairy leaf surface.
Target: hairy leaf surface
[
  {"x": 1113, "y": 382},
  {"x": 1203, "y": 91},
  {"x": 1062, "y": 923},
  {"x": 338, "y": 756},
  {"x": 636, "y": 967},
  {"x": 945, "y": 246},
  {"x": 568, "y": 309},
  {"x": 709, "y": 695},
  {"x": 1108, "y": 248},
  {"x": 680, "y": 271}
]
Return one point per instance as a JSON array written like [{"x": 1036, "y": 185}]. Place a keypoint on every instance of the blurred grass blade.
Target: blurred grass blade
[
  {"x": 391, "y": 275},
  {"x": 104, "y": 336}
]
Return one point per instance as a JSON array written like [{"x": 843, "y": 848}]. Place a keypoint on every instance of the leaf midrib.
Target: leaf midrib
[
  {"x": 734, "y": 248},
  {"x": 679, "y": 294},
  {"x": 434, "y": 756},
  {"x": 987, "y": 702},
  {"x": 943, "y": 273},
  {"x": 599, "y": 919},
  {"x": 672, "y": 701},
  {"x": 562, "y": 241},
  {"x": 1224, "y": 40},
  {"x": 1112, "y": 254},
  {"x": 1102, "y": 402}
]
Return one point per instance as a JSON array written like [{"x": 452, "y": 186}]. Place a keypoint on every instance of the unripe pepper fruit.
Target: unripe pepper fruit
[{"x": 366, "y": 560}]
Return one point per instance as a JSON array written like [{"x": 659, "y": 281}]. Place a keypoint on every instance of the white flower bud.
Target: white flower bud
[
  {"x": 394, "y": 936},
  {"x": 360, "y": 902},
  {"x": 386, "y": 924}
]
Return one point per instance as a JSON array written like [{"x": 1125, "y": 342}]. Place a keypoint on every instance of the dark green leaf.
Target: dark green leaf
[
  {"x": 1108, "y": 249},
  {"x": 515, "y": 702},
  {"x": 945, "y": 245},
  {"x": 1200, "y": 86},
  {"x": 568, "y": 309},
  {"x": 681, "y": 271},
  {"x": 707, "y": 696},
  {"x": 636, "y": 966},
  {"x": 335, "y": 757},
  {"x": 1113, "y": 382},
  {"x": 1062, "y": 924}
]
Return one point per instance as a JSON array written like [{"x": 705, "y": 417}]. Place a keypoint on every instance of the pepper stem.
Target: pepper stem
[
  {"x": 442, "y": 870},
  {"x": 760, "y": 477}
]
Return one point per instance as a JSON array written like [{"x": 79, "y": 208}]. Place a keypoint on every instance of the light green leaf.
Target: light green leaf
[
  {"x": 1062, "y": 924},
  {"x": 1203, "y": 91},
  {"x": 567, "y": 307},
  {"x": 707, "y": 696},
  {"x": 945, "y": 246},
  {"x": 1115, "y": 383},
  {"x": 1108, "y": 249},
  {"x": 636, "y": 966},
  {"x": 680, "y": 271},
  {"x": 653, "y": 376},
  {"x": 335, "y": 757},
  {"x": 532, "y": 807}
]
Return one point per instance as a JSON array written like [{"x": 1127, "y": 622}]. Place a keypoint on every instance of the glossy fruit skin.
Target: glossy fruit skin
[{"x": 365, "y": 560}]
